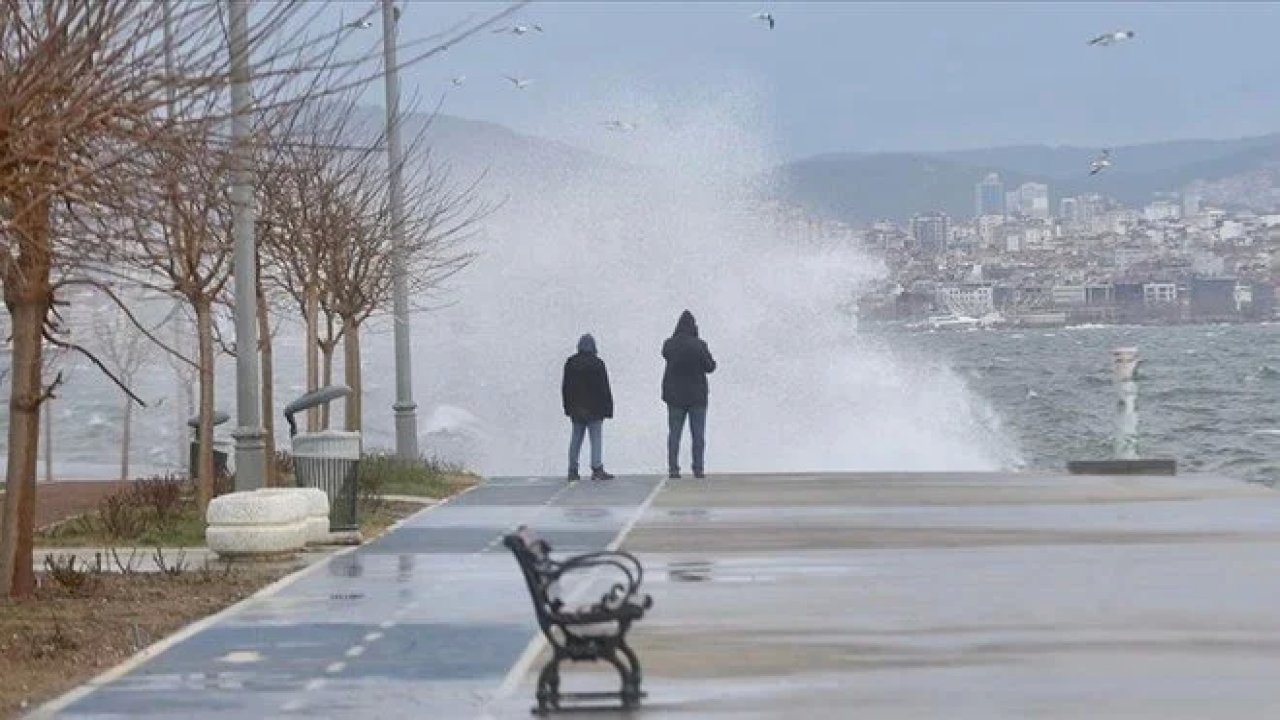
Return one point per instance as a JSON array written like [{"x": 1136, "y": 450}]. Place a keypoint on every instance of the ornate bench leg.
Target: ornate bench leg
[
  {"x": 636, "y": 674},
  {"x": 622, "y": 659},
  {"x": 549, "y": 687}
]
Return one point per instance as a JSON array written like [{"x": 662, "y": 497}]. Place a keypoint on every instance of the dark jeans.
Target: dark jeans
[
  {"x": 597, "y": 444},
  {"x": 675, "y": 428}
]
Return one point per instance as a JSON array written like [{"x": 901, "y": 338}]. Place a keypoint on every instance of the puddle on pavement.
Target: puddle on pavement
[
  {"x": 585, "y": 514},
  {"x": 694, "y": 514},
  {"x": 689, "y": 571},
  {"x": 346, "y": 566}
]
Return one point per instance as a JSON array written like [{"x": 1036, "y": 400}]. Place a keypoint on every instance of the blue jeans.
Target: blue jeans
[
  {"x": 697, "y": 428},
  {"x": 597, "y": 444}
]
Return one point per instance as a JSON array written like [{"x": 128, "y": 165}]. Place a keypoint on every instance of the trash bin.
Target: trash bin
[
  {"x": 328, "y": 460},
  {"x": 221, "y": 450}
]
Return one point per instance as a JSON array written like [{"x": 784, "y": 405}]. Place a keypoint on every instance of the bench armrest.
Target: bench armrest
[{"x": 623, "y": 562}]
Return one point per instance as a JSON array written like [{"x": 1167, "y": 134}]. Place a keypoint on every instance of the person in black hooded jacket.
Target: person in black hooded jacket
[
  {"x": 588, "y": 401},
  {"x": 684, "y": 390}
]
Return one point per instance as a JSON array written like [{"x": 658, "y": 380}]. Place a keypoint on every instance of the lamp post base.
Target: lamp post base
[
  {"x": 251, "y": 458},
  {"x": 406, "y": 430}
]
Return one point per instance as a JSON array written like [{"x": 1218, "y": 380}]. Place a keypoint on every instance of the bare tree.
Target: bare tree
[
  {"x": 439, "y": 217},
  {"x": 86, "y": 86},
  {"x": 81, "y": 81},
  {"x": 90, "y": 92},
  {"x": 123, "y": 348}
]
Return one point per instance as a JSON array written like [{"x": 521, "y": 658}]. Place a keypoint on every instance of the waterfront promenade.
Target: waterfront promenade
[{"x": 816, "y": 596}]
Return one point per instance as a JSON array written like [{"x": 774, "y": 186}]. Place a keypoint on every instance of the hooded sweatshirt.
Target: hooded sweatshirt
[
  {"x": 684, "y": 383},
  {"x": 585, "y": 388}
]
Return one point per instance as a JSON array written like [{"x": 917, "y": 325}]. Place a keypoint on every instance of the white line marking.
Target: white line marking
[
  {"x": 292, "y": 706},
  {"x": 314, "y": 684},
  {"x": 335, "y": 667},
  {"x": 372, "y": 636},
  {"x": 387, "y": 624},
  {"x": 531, "y": 651},
  {"x": 355, "y": 651},
  {"x": 240, "y": 657}
]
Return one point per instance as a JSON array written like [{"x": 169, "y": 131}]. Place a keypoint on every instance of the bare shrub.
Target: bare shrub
[
  {"x": 161, "y": 495},
  {"x": 173, "y": 569},
  {"x": 71, "y": 575},
  {"x": 120, "y": 516}
]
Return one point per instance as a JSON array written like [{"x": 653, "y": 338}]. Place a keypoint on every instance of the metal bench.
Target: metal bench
[{"x": 592, "y": 632}]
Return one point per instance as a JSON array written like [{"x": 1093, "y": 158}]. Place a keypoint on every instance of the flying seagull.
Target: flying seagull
[
  {"x": 457, "y": 82},
  {"x": 360, "y": 24},
  {"x": 520, "y": 83},
  {"x": 519, "y": 29},
  {"x": 1100, "y": 163},
  {"x": 766, "y": 17},
  {"x": 1112, "y": 38},
  {"x": 619, "y": 125}
]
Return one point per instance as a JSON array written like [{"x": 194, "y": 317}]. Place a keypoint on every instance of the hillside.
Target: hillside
[{"x": 862, "y": 187}]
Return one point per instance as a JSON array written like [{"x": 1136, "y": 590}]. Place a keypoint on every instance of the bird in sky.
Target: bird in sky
[
  {"x": 458, "y": 81},
  {"x": 1100, "y": 163},
  {"x": 1111, "y": 38},
  {"x": 360, "y": 24},
  {"x": 619, "y": 125},
  {"x": 765, "y": 17},
  {"x": 518, "y": 29},
  {"x": 520, "y": 83}
]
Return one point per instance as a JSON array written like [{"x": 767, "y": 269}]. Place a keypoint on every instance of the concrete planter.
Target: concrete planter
[
  {"x": 317, "y": 510},
  {"x": 248, "y": 524}
]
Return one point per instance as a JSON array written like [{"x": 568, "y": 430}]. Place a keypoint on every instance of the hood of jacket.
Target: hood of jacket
[
  {"x": 587, "y": 344},
  {"x": 686, "y": 325}
]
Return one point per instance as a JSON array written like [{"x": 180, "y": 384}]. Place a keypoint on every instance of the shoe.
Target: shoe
[
  {"x": 600, "y": 474},
  {"x": 573, "y": 476},
  {"x": 699, "y": 474},
  {"x": 673, "y": 475}
]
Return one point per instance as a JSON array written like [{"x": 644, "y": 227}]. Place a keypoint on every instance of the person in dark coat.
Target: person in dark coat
[
  {"x": 587, "y": 402},
  {"x": 684, "y": 390}
]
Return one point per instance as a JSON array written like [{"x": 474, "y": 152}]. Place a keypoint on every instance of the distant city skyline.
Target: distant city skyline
[{"x": 860, "y": 77}]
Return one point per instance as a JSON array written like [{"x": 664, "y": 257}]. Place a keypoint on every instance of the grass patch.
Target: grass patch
[
  {"x": 185, "y": 529},
  {"x": 382, "y": 473}
]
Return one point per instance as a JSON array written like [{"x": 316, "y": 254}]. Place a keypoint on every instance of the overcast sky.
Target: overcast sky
[{"x": 868, "y": 76}]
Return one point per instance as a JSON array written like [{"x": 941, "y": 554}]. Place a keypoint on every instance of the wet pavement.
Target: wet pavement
[
  {"x": 428, "y": 619},
  {"x": 876, "y": 595},
  {"x": 958, "y": 596}
]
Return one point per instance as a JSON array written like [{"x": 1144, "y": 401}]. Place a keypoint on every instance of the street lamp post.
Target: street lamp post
[
  {"x": 250, "y": 448},
  {"x": 405, "y": 408}
]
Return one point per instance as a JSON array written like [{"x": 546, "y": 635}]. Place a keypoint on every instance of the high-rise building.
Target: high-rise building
[
  {"x": 1013, "y": 203},
  {"x": 1033, "y": 200},
  {"x": 1190, "y": 205},
  {"x": 1069, "y": 210},
  {"x": 988, "y": 196},
  {"x": 931, "y": 231}
]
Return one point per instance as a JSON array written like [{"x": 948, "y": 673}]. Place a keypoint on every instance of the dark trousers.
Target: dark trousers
[{"x": 675, "y": 428}]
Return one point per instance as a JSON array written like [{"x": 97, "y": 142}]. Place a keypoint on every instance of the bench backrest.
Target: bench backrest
[{"x": 533, "y": 555}]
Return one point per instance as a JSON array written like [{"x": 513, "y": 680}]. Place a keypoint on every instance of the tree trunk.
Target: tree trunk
[
  {"x": 27, "y": 295},
  {"x": 327, "y": 350},
  {"x": 352, "y": 370},
  {"x": 204, "y": 433},
  {"x": 125, "y": 439},
  {"x": 268, "y": 385},
  {"x": 48, "y": 441},
  {"x": 313, "y": 349}
]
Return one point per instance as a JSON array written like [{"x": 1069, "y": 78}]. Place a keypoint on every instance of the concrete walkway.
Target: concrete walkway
[
  {"x": 887, "y": 596},
  {"x": 426, "y": 621},
  {"x": 956, "y": 596}
]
